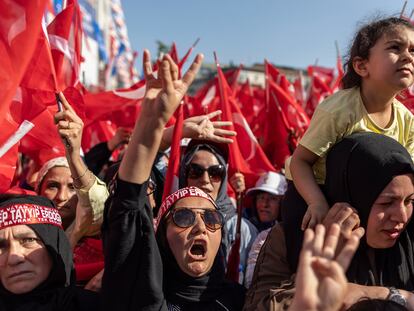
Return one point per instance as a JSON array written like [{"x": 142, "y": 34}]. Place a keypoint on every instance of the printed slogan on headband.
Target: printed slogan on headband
[{"x": 25, "y": 214}]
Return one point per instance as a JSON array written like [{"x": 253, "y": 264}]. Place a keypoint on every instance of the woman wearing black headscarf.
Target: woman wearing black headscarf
[
  {"x": 179, "y": 268},
  {"x": 370, "y": 182},
  {"x": 359, "y": 169},
  {"x": 204, "y": 156},
  {"x": 36, "y": 268}
]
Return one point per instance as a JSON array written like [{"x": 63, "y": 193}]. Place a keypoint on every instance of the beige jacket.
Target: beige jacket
[
  {"x": 272, "y": 286},
  {"x": 89, "y": 211}
]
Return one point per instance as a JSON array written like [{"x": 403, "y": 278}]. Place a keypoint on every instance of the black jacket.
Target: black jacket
[{"x": 134, "y": 277}]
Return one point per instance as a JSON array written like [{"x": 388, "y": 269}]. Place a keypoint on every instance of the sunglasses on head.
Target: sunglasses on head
[
  {"x": 186, "y": 217},
  {"x": 215, "y": 172}
]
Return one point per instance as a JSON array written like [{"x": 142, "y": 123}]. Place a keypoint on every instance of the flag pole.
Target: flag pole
[
  {"x": 337, "y": 49},
  {"x": 403, "y": 9}
]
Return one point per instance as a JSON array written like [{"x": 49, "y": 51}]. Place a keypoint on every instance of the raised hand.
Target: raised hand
[
  {"x": 201, "y": 127},
  {"x": 164, "y": 90},
  {"x": 70, "y": 127},
  {"x": 321, "y": 283}
]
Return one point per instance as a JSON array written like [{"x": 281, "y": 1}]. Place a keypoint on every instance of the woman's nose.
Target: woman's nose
[
  {"x": 15, "y": 254},
  {"x": 63, "y": 194},
  {"x": 199, "y": 225},
  {"x": 400, "y": 213}
]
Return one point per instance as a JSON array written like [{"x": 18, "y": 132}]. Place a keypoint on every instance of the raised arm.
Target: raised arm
[{"x": 91, "y": 191}]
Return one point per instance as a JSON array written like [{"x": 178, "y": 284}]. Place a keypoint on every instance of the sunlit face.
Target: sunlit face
[
  {"x": 390, "y": 64},
  {"x": 205, "y": 159},
  {"x": 24, "y": 261},
  {"x": 267, "y": 206},
  {"x": 391, "y": 212},
  {"x": 57, "y": 186},
  {"x": 196, "y": 247}
]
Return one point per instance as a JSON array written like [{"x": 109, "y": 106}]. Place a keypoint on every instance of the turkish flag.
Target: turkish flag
[
  {"x": 206, "y": 99},
  {"x": 40, "y": 73},
  {"x": 65, "y": 37},
  {"x": 20, "y": 24},
  {"x": 246, "y": 156},
  {"x": 102, "y": 106}
]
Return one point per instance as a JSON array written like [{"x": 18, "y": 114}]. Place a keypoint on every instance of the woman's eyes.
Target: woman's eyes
[
  {"x": 29, "y": 241},
  {"x": 409, "y": 202},
  {"x": 53, "y": 186}
]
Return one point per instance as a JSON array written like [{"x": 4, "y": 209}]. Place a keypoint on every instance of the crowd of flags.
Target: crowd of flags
[{"x": 41, "y": 56}]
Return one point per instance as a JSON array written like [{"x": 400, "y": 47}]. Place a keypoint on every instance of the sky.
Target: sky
[{"x": 294, "y": 33}]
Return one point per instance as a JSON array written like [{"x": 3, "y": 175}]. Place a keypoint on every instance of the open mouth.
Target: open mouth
[{"x": 198, "y": 250}]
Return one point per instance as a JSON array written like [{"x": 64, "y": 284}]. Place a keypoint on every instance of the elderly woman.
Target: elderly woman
[
  {"x": 370, "y": 182},
  {"x": 36, "y": 269},
  {"x": 179, "y": 268},
  {"x": 77, "y": 193}
]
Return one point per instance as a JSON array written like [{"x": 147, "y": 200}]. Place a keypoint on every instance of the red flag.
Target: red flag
[
  {"x": 40, "y": 73},
  {"x": 300, "y": 90},
  {"x": 206, "y": 99},
  {"x": 97, "y": 132},
  {"x": 245, "y": 156},
  {"x": 338, "y": 80},
  {"x": 102, "y": 106},
  {"x": 321, "y": 79},
  {"x": 174, "y": 53},
  {"x": 171, "y": 180},
  {"x": 20, "y": 24},
  {"x": 65, "y": 37}
]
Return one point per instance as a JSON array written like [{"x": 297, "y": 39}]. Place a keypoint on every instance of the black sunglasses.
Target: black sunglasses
[
  {"x": 215, "y": 172},
  {"x": 186, "y": 217}
]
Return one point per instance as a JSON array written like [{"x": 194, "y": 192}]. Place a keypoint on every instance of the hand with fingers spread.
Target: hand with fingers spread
[
  {"x": 201, "y": 127},
  {"x": 321, "y": 283},
  {"x": 70, "y": 127},
  {"x": 165, "y": 92}
]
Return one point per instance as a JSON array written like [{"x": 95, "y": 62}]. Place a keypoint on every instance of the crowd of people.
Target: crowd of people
[{"x": 332, "y": 231}]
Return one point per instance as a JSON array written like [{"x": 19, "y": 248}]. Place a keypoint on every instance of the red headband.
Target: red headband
[
  {"x": 28, "y": 214},
  {"x": 177, "y": 195}
]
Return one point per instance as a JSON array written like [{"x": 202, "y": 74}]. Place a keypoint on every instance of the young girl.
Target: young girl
[{"x": 380, "y": 65}]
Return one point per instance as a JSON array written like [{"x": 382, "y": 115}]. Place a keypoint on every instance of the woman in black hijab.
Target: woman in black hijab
[
  {"x": 36, "y": 269},
  {"x": 201, "y": 156},
  {"x": 374, "y": 175},
  {"x": 359, "y": 169}
]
